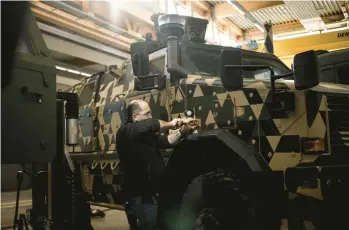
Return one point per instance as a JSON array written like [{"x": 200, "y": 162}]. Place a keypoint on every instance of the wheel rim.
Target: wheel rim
[{"x": 207, "y": 220}]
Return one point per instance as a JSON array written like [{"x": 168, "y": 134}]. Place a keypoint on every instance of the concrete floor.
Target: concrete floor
[{"x": 113, "y": 220}]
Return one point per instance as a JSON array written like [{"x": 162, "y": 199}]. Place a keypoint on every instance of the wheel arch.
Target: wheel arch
[{"x": 209, "y": 151}]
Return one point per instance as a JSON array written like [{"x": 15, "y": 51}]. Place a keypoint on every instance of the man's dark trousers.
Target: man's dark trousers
[{"x": 141, "y": 212}]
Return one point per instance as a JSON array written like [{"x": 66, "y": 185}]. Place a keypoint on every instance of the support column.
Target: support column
[{"x": 268, "y": 38}]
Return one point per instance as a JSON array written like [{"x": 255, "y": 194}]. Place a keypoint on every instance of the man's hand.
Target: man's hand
[
  {"x": 176, "y": 122},
  {"x": 187, "y": 120},
  {"x": 186, "y": 127}
]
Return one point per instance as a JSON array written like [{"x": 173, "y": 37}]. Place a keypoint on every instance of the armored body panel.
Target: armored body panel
[{"x": 284, "y": 129}]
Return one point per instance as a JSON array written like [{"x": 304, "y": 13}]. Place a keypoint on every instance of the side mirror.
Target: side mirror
[
  {"x": 140, "y": 64},
  {"x": 231, "y": 69},
  {"x": 150, "y": 82},
  {"x": 306, "y": 70}
]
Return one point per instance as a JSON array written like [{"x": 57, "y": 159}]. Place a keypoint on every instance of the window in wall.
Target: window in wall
[
  {"x": 171, "y": 7},
  {"x": 224, "y": 39},
  {"x": 181, "y": 10},
  {"x": 196, "y": 15},
  {"x": 234, "y": 43},
  {"x": 162, "y": 5}
]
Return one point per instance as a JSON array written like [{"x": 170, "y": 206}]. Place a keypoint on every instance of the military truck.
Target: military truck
[{"x": 273, "y": 143}]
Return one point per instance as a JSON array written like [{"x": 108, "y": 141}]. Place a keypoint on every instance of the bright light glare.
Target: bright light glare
[
  {"x": 333, "y": 30},
  {"x": 296, "y": 35},
  {"x": 236, "y": 8},
  {"x": 259, "y": 27},
  {"x": 60, "y": 68},
  {"x": 73, "y": 71},
  {"x": 85, "y": 74}
]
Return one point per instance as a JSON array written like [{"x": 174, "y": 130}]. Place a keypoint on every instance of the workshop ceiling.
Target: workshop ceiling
[
  {"x": 117, "y": 24},
  {"x": 88, "y": 36},
  {"x": 287, "y": 15}
]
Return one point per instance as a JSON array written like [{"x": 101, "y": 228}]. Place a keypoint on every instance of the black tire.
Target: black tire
[{"x": 216, "y": 201}]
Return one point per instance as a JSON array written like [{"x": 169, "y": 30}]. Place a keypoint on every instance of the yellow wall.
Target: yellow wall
[
  {"x": 326, "y": 41},
  {"x": 288, "y": 60},
  {"x": 286, "y": 49}
]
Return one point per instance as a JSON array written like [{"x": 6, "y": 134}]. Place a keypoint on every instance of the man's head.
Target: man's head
[{"x": 138, "y": 110}]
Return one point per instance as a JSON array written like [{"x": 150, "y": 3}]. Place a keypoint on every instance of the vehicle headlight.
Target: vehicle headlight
[{"x": 313, "y": 145}]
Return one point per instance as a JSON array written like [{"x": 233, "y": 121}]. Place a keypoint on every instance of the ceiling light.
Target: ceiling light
[
  {"x": 313, "y": 24},
  {"x": 259, "y": 27},
  {"x": 73, "y": 71},
  {"x": 85, "y": 74},
  {"x": 296, "y": 35},
  {"x": 60, "y": 68},
  {"x": 236, "y": 8},
  {"x": 334, "y": 29}
]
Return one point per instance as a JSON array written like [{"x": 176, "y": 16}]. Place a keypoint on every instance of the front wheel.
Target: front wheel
[{"x": 217, "y": 201}]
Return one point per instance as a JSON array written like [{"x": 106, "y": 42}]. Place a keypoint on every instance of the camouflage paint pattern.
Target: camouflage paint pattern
[{"x": 245, "y": 113}]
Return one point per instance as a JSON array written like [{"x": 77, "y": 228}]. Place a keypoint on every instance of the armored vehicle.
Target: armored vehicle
[{"x": 273, "y": 143}]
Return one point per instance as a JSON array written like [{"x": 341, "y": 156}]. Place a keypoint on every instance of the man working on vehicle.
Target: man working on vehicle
[{"x": 138, "y": 142}]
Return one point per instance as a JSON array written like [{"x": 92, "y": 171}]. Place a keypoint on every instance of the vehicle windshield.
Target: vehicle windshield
[
  {"x": 157, "y": 65},
  {"x": 205, "y": 62}
]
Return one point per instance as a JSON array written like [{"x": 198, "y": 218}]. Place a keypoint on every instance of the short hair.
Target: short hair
[{"x": 132, "y": 108}]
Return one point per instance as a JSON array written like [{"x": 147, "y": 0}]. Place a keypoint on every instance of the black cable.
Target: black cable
[
  {"x": 73, "y": 200},
  {"x": 19, "y": 182},
  {"x": 27, "y": 171}
]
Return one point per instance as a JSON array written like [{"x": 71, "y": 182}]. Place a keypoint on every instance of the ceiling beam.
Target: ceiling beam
[
  {"x": 82, "y": 41},
  {"x": 123, "y": 15},
  {"x": 223, "y": 10},
  {"x": 333, "y": 18},
  {"x": 74, "y": 49},
  {"x": 278, "y": 29},
  {"x": 237, "y": 31},
  {"x": 250, "y": 6},
  {"x": 247, "y": 14},
  {"x": 66, "y": 10},
  {"x": 204, "y": 6},
  {"x": 135, "y": 11},
  {"x": 83, "y": 30}
]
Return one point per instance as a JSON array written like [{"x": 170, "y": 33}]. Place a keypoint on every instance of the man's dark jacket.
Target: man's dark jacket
[{"x": 143, "y": 167}]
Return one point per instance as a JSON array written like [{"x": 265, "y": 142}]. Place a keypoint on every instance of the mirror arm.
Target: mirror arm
[
  {"x": 284, "y": 75},
  {"x": 172, "y": 57},
  {"x": 155, "y": 76},
  {"x": 148, "y": 76},
  {"x": 272, "y": 79},
  {"x": 251, "y": 67},
  {"x": 257, "y": 67}
]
